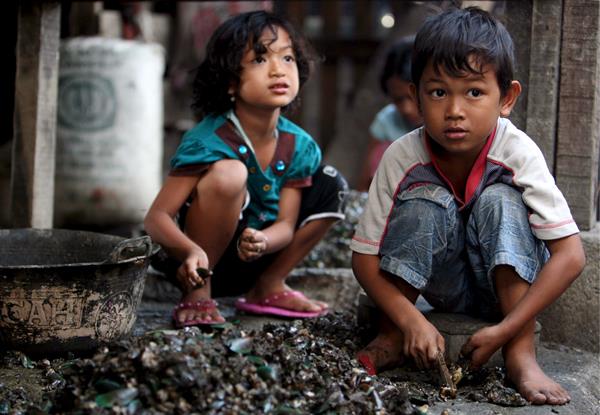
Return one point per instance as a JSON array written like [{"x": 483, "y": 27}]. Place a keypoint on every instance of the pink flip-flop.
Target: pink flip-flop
[
  {"x": 272, "y": 306},
  {"x": 204, "y": 306}
]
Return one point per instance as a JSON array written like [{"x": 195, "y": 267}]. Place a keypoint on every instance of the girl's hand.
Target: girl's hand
[
  {"x": 423, "y": 342},
  {"x": 252, "y": 244},
  {"x": 482, "y": 345},
  {"x": 193, "y": 271}
]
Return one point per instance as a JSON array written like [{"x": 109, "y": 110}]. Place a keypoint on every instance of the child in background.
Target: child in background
[
  {"x": 465, "y": 212},
  {"x": 397, "y": 118},
  {"x": 246, "y": 196}
]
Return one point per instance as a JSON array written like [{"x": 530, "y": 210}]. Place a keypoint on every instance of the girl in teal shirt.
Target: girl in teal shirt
[{"x": 246, "y": 198}]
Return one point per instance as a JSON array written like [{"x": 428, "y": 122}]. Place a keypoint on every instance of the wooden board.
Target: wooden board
[
  {"x": 579, "y": 109},
  {"x": 36, "y": 85},
  {"x": 544, "y": 71}
]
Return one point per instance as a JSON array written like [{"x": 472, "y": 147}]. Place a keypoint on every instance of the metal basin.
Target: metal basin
[{"x": 68, "y": 291}]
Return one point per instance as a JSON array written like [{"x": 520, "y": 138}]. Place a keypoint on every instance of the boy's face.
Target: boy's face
[
  {"x": 406, "y": 105},
  {"x": 459, "y": 113},
  {"x": 268, "y": 81}
]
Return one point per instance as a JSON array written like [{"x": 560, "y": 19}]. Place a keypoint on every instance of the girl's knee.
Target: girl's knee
[{"x": 226, "y": 178}]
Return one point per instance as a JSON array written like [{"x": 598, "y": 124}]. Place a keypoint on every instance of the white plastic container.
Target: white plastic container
[{"x": 109, "y": 131}]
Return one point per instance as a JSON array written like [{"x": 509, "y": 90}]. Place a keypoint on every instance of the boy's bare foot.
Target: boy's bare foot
[
  {"x": 185, "y": 314},
  {"x": 384, "y": 352},
  {"x": 532, "y": 383}
]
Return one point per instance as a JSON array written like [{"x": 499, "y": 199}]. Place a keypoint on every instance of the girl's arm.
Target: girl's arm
[
  {"x": 279, "y": 234},
  {"x": 564, "y": 266},
  {"x": 160, "y": 224}
]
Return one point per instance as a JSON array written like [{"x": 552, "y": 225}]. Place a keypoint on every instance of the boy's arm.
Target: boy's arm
[
  {"x": 396, "y": 299},
  {"x": 564, "y": 266}
]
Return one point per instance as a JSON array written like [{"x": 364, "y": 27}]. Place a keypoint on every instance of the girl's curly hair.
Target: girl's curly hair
[{"x": 224, "y": 53}]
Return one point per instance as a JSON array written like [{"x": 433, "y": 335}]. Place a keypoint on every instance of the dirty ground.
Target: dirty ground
[{"x": 253, "y": 365}]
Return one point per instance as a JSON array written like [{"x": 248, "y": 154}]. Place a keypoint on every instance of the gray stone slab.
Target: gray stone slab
[
  {"x": 455, "y": 328},
  {"x": 574, "y": 319}
]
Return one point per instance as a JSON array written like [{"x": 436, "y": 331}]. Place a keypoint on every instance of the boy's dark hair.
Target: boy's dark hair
[
  {"x": 452, "y": 37},
  {"x": 397, "y": 62},
  {"x": 224, "y": 53}
]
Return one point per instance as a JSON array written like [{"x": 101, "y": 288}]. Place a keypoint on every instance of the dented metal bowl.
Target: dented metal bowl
[{"x": 68, "y": 291}]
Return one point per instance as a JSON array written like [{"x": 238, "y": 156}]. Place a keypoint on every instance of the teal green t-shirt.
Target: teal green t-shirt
[{"x": 296, "y": 158}]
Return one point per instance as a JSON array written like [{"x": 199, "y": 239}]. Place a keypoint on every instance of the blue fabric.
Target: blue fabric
[
  {"x": 450, "y": 258},
  {"x": 388, "y": 124},
  {"x": 202, "y": 145}
]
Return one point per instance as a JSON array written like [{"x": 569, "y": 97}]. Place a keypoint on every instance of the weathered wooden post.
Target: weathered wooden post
[
  {"x": 36, "y": 85},
  {"x": 518, "y": 20},
  {"x": 544, "y": 72},
  {"x": 578, "y": 138}
]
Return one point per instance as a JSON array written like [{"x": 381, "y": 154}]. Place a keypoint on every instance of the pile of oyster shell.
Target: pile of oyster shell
[{"x": 297, "y": 367}]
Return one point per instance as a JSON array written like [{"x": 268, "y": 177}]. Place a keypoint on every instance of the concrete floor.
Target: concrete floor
[{"x": 578, "y": 371}]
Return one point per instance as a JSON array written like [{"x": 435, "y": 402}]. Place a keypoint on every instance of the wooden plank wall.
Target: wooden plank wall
[
  {"x": 578, "y": 138},
  {"x": 560, "y": 106},
  {"x": 518, "y": 17},
  {"x": 544, "y": 71},
  {"x": 36, "y": 85},
  {"x": 333, "y": 49}
]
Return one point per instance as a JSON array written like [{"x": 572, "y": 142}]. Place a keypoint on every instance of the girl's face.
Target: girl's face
[{"x": 268, "y": 81}]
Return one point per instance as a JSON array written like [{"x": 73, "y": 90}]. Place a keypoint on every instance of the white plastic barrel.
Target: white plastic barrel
[{"x": 109, "y": 131}]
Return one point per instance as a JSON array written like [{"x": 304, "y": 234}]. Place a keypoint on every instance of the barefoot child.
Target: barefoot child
[
  {"x": 465, "y": 212},
  {"x": 246, "y": 196}
]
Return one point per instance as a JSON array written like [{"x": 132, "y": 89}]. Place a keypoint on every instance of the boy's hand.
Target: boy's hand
[
  {"x": 252, "y": 244},
  {"x": 423, "y": 342},
  {"x": 482, "y": 345},
  {"x": 188, "y": 272}
]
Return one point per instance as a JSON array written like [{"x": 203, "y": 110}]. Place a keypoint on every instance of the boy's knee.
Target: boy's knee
[
  {"x": 500, "y": 202},
  {"x": 424, "y": 210},
  {"x": 429, "y": 200},
  {"x": 500, "y": 192},
  {"x": 224, "y": 178}
]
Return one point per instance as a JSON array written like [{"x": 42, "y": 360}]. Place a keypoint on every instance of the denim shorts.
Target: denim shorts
[{"x": 450, "y": 256}]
